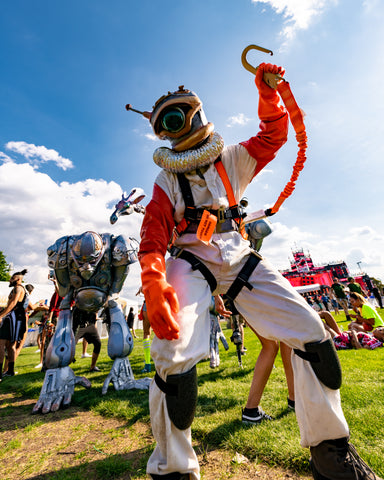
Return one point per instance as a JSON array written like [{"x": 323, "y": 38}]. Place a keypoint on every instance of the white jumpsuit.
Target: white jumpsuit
[{"x": 273, "y": 308}]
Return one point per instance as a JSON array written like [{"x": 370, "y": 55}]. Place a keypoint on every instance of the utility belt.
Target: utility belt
[
  {"x": 240, "y": 281},
  {"x": 228, "y": 225},
  {"x": 195, "y": 214}
]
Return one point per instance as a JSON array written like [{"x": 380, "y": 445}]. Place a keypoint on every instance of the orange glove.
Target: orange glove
[
  {"x": 269, "y": 108},
  {"x": 160, "y": 297}
]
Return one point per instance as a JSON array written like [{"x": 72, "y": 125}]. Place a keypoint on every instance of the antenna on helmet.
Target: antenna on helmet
[{"x": 145, "y": 114}]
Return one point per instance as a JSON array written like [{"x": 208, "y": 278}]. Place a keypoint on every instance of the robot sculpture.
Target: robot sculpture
[{"x": 90, "y": 270}]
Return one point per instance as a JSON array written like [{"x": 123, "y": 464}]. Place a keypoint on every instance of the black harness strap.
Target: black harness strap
[
  {"x": 186, "y": 190},
  {"x": 309, "y": 356},
  {"x": 192, "y": 214},
  {"x": 197, "y": 264},
  {"x": 167, "y": 388},
  {"x": 242, "y": 279}
]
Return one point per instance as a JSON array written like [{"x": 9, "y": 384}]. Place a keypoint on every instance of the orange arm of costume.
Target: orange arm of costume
[
  {"x": 160, "y": 297},
  {"x": 274, "y": 121}
]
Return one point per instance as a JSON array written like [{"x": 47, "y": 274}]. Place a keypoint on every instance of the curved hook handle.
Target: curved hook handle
[
  {"x": 269, "y": 78},
  {"x": 247, "y": 65}
]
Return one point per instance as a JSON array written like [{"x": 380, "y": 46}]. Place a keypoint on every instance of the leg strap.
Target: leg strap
[
  {"x": 242, "y": 279},
  {"x": 324, "y": 361},
  {"x": 196, "y": 264}
]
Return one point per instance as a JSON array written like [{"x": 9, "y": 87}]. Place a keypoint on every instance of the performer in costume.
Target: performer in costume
[
  {"x": 90, "y": 270},
  {"x": 194, "y": 203}
]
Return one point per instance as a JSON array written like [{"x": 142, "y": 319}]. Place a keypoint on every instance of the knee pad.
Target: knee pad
[
  {"x": 324, "y": 361},
  {"x": 181, "y": 397}
]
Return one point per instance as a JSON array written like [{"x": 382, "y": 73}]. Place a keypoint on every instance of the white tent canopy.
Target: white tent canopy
[
  {"x": 308, "y": 288},
  {"x": 40, "y": 292}
]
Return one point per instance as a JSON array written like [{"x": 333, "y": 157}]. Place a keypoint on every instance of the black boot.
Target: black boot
[
  {"x": 11, "y": 370},
  {"x": 338, "y": 460}
]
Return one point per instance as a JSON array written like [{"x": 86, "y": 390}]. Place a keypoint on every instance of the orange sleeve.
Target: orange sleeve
[
  {"x": 264, "y": 146},
  {"x": 157, "y": 225}
]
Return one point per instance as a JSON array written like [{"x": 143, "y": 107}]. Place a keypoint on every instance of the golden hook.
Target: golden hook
[{"x": 270, "y": 79}]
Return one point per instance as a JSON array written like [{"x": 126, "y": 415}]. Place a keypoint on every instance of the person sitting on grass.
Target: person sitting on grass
[
  {"x": 367, "y": 317},
  {"x": 368, "y": 340},
  {"x": 351, "y": 339}
]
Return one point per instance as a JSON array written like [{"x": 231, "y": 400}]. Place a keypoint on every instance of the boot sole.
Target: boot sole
[{"x": 315, "y": 473}]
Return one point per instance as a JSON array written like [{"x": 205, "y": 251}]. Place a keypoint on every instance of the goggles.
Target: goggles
[{"x": 173, "y": 120}]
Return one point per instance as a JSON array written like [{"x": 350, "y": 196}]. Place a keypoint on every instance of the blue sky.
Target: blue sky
[{"x": 68, "y": 148}]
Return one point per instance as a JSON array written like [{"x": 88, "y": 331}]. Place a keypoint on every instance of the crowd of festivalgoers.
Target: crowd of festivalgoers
[
  {"x": 366, "y": 327},
  {"x": 326, "y": 298}
]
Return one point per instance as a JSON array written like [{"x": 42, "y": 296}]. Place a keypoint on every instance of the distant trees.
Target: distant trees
[
  {"x": 378, "y": 282},
  {"x": 4, "y": 268}
]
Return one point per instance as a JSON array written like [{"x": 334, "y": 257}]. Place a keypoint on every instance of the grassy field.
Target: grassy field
[{"x": 222, "y": 394}]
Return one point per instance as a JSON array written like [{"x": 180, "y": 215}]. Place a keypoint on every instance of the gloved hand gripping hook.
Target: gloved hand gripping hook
[{"x": 270, "y": 79}]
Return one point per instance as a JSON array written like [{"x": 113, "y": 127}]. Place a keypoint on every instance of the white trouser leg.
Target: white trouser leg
[
  {"x": 174, "y": 452},
  {"x": 276, "y": 311}
]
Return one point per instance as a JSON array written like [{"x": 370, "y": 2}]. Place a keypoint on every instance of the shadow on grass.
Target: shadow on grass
[
  {"x": 21, "y": 396},
  {"x": 121, "y": 466},
  {"x": 224, "y": 373}
]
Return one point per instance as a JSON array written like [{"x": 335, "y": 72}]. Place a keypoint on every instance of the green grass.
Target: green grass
[{"x": 222, "y": 394}]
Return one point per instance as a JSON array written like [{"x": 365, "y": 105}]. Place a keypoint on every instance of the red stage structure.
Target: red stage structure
[{"x": 304, "y": 273}]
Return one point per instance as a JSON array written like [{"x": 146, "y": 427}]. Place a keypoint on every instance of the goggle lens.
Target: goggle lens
[{"x": 173, "y": 120}]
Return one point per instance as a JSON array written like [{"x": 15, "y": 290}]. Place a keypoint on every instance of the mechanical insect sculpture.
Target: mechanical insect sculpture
[{"x": 129, "y": 204}]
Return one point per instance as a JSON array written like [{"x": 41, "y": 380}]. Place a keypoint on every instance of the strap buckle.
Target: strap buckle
[
  {"x": 175, "y": 252},
  {"x": 221, "y": 214}
]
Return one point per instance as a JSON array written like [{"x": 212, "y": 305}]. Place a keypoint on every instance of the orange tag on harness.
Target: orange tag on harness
[{"x": 206, "y": 226}]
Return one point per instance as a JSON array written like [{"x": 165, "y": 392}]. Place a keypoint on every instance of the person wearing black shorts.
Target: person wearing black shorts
[
  {"x": 13, "y": 323},
  {"x": 84, "y": 326},
  {"x": 131, "y": 321}
]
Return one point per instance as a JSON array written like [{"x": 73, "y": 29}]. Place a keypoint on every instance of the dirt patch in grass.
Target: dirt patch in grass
[{"x": 76, "y": 444}]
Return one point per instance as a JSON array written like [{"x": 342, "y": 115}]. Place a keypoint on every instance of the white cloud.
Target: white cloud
[
  {"x": 298, "y": 14},
  {"x": 5, "y": 158},
  {"x": 370, "y": 5},
  {"x": 239, "y": 119},
  {"x": 39, "y": 154},
  {"x": 35, "y": 211},
  {"x": 151, "y": 136}
]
